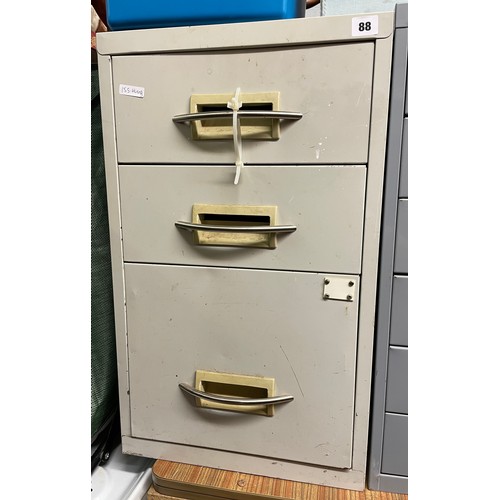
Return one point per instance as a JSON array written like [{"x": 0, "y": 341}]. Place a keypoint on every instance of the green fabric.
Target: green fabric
[{"x": 104, "y": 387}]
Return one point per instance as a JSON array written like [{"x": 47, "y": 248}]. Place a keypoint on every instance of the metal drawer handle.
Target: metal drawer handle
[
  {"x": 213, "y": 115},
  {"x": 188, "y": 226},
  {"x": 234, "y": 400}
]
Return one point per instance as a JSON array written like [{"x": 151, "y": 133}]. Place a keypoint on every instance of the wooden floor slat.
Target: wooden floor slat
[{"x": 173, "y": 481}]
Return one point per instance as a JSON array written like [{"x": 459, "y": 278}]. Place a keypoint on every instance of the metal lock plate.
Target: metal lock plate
[{"x": 340, "y": 288}]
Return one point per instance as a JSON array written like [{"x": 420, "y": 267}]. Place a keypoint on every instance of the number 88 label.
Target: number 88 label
[{"x": 365, "y": 26}]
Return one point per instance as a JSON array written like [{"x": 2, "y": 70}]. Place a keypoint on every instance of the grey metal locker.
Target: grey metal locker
[
  {"x": 245, "y": 240},
  {"x": 388, "y": 457}
]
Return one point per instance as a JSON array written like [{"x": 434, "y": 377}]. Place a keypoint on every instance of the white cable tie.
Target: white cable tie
[
  {"x": 239, "y": 166},
  {"x": 235, "y": 104}
]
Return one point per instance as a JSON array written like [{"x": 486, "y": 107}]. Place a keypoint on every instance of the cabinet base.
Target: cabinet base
[{"x": 248, "y": 464}]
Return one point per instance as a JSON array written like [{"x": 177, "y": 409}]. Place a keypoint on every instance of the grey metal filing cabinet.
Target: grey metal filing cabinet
[
  {"x": 388, "y": 460},
  {"x": 245, "y": 168}
]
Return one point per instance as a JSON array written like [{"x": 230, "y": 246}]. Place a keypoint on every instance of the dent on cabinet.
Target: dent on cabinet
[{"x": 245, "y": 167}]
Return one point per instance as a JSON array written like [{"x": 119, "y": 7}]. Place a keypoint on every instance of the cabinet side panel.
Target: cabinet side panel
[
  {"x": 373, "y": 208},
  {"x": 112, "y": 187}
]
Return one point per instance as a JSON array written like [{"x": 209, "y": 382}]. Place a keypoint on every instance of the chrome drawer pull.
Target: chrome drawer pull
[
  {"x": 188, "y": 226},
  {"x": 213, "y": 115},
  {"x": 234, "y": 400}
]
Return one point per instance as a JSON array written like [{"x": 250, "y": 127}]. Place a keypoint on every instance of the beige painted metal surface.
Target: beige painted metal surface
[
  {"x": 249, "y": 322},
  {"x": 115, "y": 235},
  {"x": 266, "y": 35},
  {"x": 325, "y": 203},
  {"x": 295, "y": 471},
  {"x": 330, "y": 85},
  {"x": 141, "y": 340},
  {"x": 371, "y": 238}
]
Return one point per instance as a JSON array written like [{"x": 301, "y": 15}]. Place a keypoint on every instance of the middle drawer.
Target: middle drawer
[{"x": 325, "y": 204}]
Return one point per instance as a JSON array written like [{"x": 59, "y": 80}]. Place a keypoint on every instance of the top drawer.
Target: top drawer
[{"x": 330, "y": 85}]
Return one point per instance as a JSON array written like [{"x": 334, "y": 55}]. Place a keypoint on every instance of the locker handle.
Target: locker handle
[
  {"x": 214, "y": 115},
  {"x": 274, "y": 400},
  {"x": 189, "y": 226}
]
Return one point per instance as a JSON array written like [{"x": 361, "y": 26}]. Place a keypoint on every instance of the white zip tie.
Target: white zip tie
[{"x": 235, "y": 104}]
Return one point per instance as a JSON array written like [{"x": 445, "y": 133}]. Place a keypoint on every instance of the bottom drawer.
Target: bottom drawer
[{"x": 254, "y": 323}]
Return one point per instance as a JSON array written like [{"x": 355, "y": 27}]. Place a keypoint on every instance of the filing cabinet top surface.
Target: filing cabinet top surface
[{"x": 237, "y": 35}]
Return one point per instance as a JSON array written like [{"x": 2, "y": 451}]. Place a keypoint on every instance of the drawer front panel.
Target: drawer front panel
[
  {"x": 329, "y": 85},
  {"x": 397, "y": 381},
  {"x": 401, "y": 252},
  {"x": 325, "y": 203},
  {"x": 403, "y": 176},
  {"x": 254, "y": 323},
  {"x": 395, "y": 448},
  {"x": 399, "y": 312}
]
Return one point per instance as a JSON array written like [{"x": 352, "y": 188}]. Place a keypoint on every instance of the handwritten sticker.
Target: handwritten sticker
[
  {"x": 365, "y": 26},
  {"x": 131, "y": 91}
]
